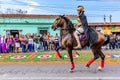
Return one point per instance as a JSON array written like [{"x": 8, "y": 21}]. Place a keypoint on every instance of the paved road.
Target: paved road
[{"x": 57, "y": 72}]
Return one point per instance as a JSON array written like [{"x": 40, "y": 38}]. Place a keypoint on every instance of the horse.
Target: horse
[{"x": 68, "y": 41}]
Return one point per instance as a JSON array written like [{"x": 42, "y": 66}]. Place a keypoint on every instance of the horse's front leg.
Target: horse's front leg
[
  {"x": 71, "y": 59},
  {"x": 58, "y": 53}
]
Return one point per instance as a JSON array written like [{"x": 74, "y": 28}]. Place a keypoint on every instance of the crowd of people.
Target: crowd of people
[
  {"x": 114, "y": 41},
  {"x": 42, "y": 42},
  {"x": 28, "y": 43}
]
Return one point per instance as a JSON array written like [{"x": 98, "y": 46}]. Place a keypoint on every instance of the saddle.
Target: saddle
[{"x": 82, "y": 37}]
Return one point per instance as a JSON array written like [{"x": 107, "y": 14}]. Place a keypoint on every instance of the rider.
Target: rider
[
  {"x": 90, "y": 33},
  {"x": 80, "y": 28}
]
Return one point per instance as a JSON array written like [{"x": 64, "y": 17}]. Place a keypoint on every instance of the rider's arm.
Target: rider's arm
[{"x": 78, "y": 24}]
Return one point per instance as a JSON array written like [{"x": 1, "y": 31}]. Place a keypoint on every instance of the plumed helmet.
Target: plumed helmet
[{"x": 80, "y": 8}]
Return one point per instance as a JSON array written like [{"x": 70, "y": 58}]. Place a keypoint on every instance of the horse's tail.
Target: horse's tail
[{"x": 107, "y": 40}]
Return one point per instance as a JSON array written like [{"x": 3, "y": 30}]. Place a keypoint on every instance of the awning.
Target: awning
[
  {"x": 115, "y": 31},
  {"x": 106, "y": 31}
]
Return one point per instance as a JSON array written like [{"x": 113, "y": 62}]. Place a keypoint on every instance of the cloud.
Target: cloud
[
  {"x": 29, "y": 10},
  {"x": 32, "y": 3},
  {"x": 28, "y": 5},
  {"x": 28, "y": 2}
]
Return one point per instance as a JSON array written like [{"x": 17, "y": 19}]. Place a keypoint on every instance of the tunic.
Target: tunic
[{"x": 90, "y": 33}]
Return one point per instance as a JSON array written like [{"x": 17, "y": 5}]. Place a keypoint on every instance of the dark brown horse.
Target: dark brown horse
[{"x": 68, "y": 41}]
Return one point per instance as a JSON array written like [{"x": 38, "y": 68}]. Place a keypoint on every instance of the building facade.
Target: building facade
[
  {"x": 39, "y": 24},
  {"x": 24, "y": 23},
  {"x": 107, "y": 28}
]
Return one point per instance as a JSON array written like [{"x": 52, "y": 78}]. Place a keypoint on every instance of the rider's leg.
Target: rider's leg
[{"x": 78, "y": 40}]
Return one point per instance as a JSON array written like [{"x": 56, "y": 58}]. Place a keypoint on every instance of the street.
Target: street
[{"x": 57, "y": 72}]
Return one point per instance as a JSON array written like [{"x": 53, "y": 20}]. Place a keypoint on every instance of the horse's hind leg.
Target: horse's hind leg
[
  {"x": 102, "y": 56},
  {"x": 96, "y": 56}
]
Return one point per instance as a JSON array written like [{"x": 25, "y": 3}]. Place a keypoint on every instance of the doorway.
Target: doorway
[
  {"x": 14, "y": 32},
  {"x": 43, "y": 31}
]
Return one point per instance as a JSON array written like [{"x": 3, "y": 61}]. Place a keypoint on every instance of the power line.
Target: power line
[
  {"x": 100, "y": 8},
  {"x": 63, "y": 10}
]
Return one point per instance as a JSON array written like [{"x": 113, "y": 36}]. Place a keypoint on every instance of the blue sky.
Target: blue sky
[{"x": 94, "y": 9}]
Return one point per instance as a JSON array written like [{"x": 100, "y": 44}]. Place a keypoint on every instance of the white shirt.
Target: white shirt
[
  {"x": 30, "y": 41},
  {"x": 80, "y": 30}
]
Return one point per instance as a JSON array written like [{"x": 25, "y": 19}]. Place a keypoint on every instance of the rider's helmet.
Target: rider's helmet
[{"x": 80, "y": 8}]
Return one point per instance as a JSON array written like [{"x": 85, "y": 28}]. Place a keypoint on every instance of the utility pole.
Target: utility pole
[
  {"x": 110, "y": 18},
  {"x": 104, "y": 19}
]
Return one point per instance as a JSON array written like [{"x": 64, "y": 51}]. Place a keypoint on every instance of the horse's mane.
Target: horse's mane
[{"x": 69, "y": 23}]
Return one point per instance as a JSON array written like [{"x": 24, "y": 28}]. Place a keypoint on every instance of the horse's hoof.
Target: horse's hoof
[
  {"x": 62, "y": 58},
  {"x": 71, "y": 71},
  {"x": 99, "y": 68},
  {"x": 87, "y": 66}
]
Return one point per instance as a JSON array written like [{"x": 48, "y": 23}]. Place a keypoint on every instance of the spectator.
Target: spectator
[
  {"x": 112, "y": 42},
  {"x": 56, "y": 40},
  {"x": 52, "y": 43},
  {"x": 30, "y": 44},
  {"x": 48, "y": 40},
  {"x": 0, "y": 45},
  {"x": 41, "y": 42},
  {"x": 36, "y": 43},
  {"x": 23, "y": 43},
  {"x": 17, "y": 43},
  {"x": 45, "y": 44},
  {"x": 118, "y": 40},
  {"x": 3, "y": 44},
  {"x": 10, "y": 43}
]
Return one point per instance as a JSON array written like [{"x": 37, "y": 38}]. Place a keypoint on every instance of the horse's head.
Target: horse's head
[{"x": 58, "y": 22}]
